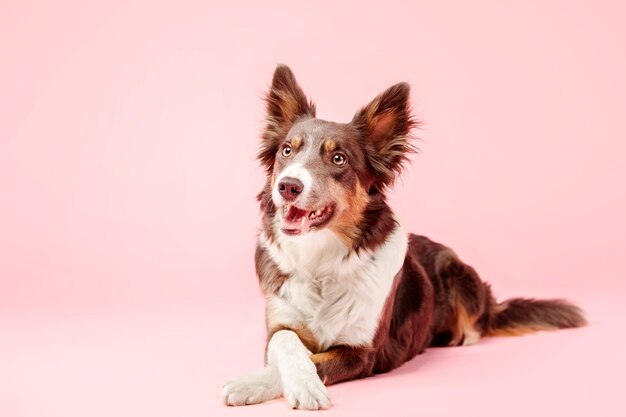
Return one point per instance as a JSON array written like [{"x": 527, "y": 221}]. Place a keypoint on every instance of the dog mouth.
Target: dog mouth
[{"x": 296, "y": 221}]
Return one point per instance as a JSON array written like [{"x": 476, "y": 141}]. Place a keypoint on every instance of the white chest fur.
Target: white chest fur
[{"x": 339, "y": 297}]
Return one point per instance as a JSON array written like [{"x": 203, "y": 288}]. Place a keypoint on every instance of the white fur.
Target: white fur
[
  {"x": 253, "y": 388},
  {"x": 302, "y": 387},
  {"x": 338, "y": 295},
  {"x": 299, "y": 172},
  {"x": 289, "y": 372},
  {"x": 470, "y": 337}
]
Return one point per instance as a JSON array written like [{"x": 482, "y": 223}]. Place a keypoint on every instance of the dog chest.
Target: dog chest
[{"x": 337, "y": 296}]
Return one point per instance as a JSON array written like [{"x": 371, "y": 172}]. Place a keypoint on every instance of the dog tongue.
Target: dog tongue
[{"x": 296, "y": 220}]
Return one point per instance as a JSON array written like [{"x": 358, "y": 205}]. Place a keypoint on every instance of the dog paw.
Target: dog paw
[
  {"x": 306, "y": 392},
  {"x": 252, "y": 389}
]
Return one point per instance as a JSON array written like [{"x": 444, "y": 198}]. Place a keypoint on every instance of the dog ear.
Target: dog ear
[
  {"x": 385, "y": 125},
  {"x": 285, "y": 103}
]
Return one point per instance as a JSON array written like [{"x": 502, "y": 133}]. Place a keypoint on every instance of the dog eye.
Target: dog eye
[
  {"x": 287, "y": 150},
  {"x": 339, "y": 159}
]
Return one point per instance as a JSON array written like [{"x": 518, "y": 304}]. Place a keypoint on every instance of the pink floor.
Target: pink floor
[
  {"x": 174, "y": 363},
  {"x": 128, "y": 134}
]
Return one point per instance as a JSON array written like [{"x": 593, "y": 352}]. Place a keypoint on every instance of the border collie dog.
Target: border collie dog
[{"x": 348, "y": 292}]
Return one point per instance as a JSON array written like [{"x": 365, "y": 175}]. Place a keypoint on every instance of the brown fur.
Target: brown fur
[
  {"x": 305, "y": 335},
  {"x": 436, "y": 299},
  {"x": 342, "y": 363},
  {"x": 296, "y": 142},
  {"x": 270, "y": 276},
  {"x": 521, "y": 316},
  {"x": 285, "y": 103},
  {"x": 386, "y": 123},
  {"x": 330, "y": 145},
  {"x": 347, "y": 224}
]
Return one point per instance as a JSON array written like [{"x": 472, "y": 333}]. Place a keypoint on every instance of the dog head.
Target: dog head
[{"x": 323, "y": 174}]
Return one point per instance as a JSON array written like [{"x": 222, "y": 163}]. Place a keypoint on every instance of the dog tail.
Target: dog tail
[{"x": 519, "y": 316}]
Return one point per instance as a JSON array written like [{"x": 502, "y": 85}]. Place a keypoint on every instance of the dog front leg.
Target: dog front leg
[
  {"x": 302, "y": 387},
  {"x": 254, "y": 388},
  {"x": 343, "y": 363}
]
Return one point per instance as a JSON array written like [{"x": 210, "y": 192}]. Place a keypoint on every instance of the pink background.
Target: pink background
[{"x": 128, "y": 131}]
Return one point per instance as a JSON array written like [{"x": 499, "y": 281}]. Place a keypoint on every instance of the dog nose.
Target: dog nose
[{"x": 290, "y": 188}]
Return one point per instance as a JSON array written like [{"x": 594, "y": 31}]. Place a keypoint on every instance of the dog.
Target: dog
[{"x": 348, "y": 292}]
